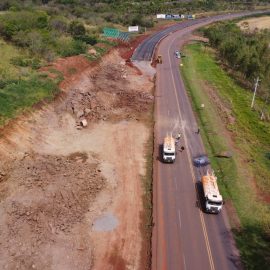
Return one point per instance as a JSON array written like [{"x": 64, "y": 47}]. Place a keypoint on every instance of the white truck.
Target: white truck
[
  {"x": 213, "y": 199},
  {"x": 168, "y": 154}
]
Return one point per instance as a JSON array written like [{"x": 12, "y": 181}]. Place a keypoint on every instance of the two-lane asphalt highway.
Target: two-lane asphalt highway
[
  {"x": 146, "y": 49},
  {"x": 183, "y": 237}
]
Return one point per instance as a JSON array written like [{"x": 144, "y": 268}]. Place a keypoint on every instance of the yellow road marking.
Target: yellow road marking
[{"x": 192, "y": 172}]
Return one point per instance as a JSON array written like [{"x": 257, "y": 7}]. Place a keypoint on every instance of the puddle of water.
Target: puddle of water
[{"x": 105, "y": 223}]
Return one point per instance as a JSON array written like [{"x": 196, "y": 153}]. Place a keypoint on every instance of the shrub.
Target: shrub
[
  {"x": 92, "y": 40},
  {"x": 76, "y": 28},
  {"x": 13, "y": 22},
  {"x": 26, "y": 62},
  {"x": 20, "y": 61},
  {"x": 20, "y": 39},
  {"x": 59, "y": 25},
  {"x": 67, "y": 46},
  {"x": 5, "y": 5},
  {"x": 42, "y": 20}
]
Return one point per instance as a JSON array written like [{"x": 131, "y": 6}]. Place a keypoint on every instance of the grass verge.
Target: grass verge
[
  {"x": 246, "y": 136},
  {"x": 19, "y": 95}
]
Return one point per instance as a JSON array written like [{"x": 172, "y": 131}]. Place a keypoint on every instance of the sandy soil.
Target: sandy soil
[
  {"x": 255, "y": 23},
  {"x": 70, "y": 197}
]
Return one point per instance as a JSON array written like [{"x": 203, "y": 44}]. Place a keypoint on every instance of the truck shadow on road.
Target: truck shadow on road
[
  {"x": 200, "y": 203},
  {"x": 159, "y": 156}
]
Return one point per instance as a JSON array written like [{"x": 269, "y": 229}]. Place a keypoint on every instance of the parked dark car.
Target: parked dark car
[{"x": 201, "y": 160}]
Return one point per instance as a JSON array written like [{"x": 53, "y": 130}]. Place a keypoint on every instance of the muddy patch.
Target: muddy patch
[{"x": 107, "y": 222}]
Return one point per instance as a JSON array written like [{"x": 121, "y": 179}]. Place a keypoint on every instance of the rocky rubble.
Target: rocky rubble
[
  {"x": 62, "y": 189},
  {"x": 109, "y": 98}
]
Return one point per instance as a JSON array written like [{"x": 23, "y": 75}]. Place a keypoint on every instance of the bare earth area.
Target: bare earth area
[
  {"x": 71, "y": 196},
  {"x": 253, "y": 24}
]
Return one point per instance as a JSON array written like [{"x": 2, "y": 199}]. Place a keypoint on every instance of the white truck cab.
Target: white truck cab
[
  {"x": 213, "y": 199},
  {"x": 168, "y": 154}
]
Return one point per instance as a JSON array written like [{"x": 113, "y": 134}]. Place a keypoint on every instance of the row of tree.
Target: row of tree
[
  {"x": 127, "y": 7},
  {"x": 248, "y": 53}
]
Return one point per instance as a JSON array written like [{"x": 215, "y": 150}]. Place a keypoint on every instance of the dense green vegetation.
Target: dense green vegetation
[
  {"x": 29, "y": 39},
  {"x": 250, "y": 163},
  {"x": 20, "y": 85},
  {"x": 44, "y": 35},
  {"x": 17, "y": 95},
  {"x": 126, "y": 12},
  {"x": 248, "y": 54}
]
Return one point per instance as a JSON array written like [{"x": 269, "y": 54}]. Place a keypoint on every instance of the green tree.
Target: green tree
[{"x": 76, "y": 28}]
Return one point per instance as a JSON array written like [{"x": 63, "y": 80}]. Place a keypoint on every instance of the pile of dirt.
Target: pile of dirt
[
  {"x": 52, "y": 195},
  {"x": 111, "y": 97}
]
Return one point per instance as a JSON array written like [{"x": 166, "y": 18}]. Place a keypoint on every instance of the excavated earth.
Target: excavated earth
[{"x": 71, "y": 196}]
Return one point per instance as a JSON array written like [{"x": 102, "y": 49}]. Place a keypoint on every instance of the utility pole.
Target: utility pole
[{"x": 255, "y": 90}]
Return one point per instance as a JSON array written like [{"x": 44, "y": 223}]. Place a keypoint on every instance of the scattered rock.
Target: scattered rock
[
  {"x": 224, "y": 154},
  {"x": 92, "y": 51},
  {"x": 84, "y": 123},
  {"x": 87, "y": 111},
  {"x": 80, "y": 114}
]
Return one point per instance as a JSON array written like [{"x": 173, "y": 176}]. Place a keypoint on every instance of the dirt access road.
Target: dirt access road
[{"x": 71, "y": 197}]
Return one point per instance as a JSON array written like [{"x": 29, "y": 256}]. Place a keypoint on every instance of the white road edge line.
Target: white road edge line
[{"x": 184, "y": 259}]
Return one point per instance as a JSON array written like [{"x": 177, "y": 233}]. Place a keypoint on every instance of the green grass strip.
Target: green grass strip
[{"x": 249, "y": 141}]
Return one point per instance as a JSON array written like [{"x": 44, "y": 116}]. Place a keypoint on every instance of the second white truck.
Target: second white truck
[
  {"x": 168, "y": 153},
  {"x": 213, "y": 199}
]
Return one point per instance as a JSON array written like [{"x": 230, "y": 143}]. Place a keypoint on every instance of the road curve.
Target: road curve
[
  {"x": 183, "y": 236},
  {"x": 145, "y": 50}
]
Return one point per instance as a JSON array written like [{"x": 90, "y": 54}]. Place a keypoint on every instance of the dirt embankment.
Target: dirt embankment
[{"x": 71, "y": 197}]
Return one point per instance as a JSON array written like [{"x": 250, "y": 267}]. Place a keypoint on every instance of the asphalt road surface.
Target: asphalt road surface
[
  {"x": 184, "y": 237},
  {"x": 146, "y": 49}
]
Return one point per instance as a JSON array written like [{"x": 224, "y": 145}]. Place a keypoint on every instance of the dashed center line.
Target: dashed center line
[
  {"x": 179, "y": 217},
  {"x": 184, "y": 260},
  {"x": 176, "y": 185}
]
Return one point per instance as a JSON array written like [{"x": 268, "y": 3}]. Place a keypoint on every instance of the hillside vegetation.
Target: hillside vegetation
[{"x": 30, "y": 39}]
